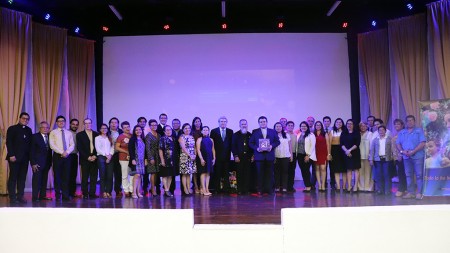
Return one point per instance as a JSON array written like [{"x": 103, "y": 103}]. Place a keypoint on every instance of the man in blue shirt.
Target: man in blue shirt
[{"x": 411, "y": 143}]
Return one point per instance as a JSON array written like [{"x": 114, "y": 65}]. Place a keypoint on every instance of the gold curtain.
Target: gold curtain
[
  {"x": 373, "y": 54},
  {"x": 15, "y": 39},
  {"x": 408, "y": 47},
  {"x": 49, "y": 47},
  {"x": 80, "y": 64},
  {"x": 439, "y": 34}
]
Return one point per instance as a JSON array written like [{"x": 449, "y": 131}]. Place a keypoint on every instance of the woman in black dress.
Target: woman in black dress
[
  {"x": 350, "y": 140},
  {"x": 167, "y": 155},
  {"x": 207, "y": 157},
  {"x": 337, "y": 167}
]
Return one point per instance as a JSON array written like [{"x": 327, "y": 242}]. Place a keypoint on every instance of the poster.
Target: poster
[{"x": 435, "y": 118}]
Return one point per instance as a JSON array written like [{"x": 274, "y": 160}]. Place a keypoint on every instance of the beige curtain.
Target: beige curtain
[
  {"x": 439, "y": 35},
  {"x": 408, "y": 47},
  {"x": 49, "y": 48},
  {"x": 15, "y": 40},
  {"x": 373, "y": 54},
  {"x": 80, "y": 63}
]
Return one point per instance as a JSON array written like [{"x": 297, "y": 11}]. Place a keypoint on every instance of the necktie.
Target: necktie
[
  {"x": 223, "y": 134},
  {"x": 46, "y": 141},
  {"x": 63, "y": 136}
]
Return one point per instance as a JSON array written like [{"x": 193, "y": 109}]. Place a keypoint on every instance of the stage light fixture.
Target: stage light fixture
[
  {"x": 224, "y": 26},
  {"x": 10, "y": 1},
  {"x": 374, "y": 23},
  {"x": 116, "y": 12},
  {"x": 224, "y": 11},
  {"x": 47, "y": 16},
  {"x": 105, "y": 28},
  {"x": 166, "y": 27},
  {"x": 77, "y": 30},
  {"x": 333, "y": 8},
  {"x": 409, "y": 6},
  {"x": 280, "y": 25},
  {"x": 344, "y": 25}
]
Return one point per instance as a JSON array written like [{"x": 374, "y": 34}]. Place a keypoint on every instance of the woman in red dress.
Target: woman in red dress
[{"x": 322, "y": 155}]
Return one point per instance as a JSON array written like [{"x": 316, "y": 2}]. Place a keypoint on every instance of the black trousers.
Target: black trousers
[
  {"x": 264, "y": 176},
  {"x": 313, "y": 174},
  {"x": 173, "y": 183},
  {"x": 243, "y": 172},
  {"x": 291, "y": 173},
  {"x": 61, "y": 169},
  {"x": 281, "y": 172},
  {"x": 39, "y": 182},
  {"x": 17, "y": 175},
  {"x": 106, "y": 174},
  {"x": 304, "y": 168},
  {"x": 89, "y": 172},
  {"x": 117, "y": 173},
  {"x": 221, "y": 173},
  {"x": 73, "y": 174}
]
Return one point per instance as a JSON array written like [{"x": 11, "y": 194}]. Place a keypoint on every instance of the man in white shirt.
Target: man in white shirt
[{"x": 62, "y": 144}]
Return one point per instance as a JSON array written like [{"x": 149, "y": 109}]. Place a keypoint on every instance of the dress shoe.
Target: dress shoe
[
  {"x": 408, "y": 196},
  {"x": 119, "y": 195},
  {"x": 21, "y": 201},
  {"x": 45, "y": 198}
]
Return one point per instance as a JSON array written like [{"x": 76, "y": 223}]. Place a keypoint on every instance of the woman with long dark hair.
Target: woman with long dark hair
[
  {"x": 187, "y": 157},
  {"x": 337, "y": 167},
  {"x": 197, "y": 127},
  {"x": 306, "y": 153},
  {"x": 283, "y": 155},
  {"x": 105, "y": 150},
  {"x": 138, "y": 159},
  {"x": 322, "y": 151},
  {"x": 350, "y": 141},
  {"x": 207, "y": 157}
]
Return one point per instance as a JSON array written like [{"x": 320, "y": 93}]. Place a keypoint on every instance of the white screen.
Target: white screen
[{"x": 233, "y": 75}]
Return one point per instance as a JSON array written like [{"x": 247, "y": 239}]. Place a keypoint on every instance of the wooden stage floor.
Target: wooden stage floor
[{"x": 226, "y": 209}]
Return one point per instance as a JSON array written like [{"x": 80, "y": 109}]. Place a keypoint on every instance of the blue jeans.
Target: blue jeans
[
  {"x": 106, "y": 174},
  {"x": 383, "y": 176},
  {"x": 414, "y": 167}
]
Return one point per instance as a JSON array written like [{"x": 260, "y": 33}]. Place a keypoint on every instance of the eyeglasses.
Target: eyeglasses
[{"x": 25, "y": 118}]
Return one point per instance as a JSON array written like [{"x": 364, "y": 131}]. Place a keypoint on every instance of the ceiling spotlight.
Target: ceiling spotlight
[
  {"x": 409, "y": 6},
  {"x": 224, "y": 26},
  {"x": 77, "y": 30},
  {"x": 166, "y": 27},
  {"x": 10, "y": 1},
  {"x": 47, "y": 16},
  {"x": 105, "y": 28},
  {"x": 374, "y": 23},
  {"x": 280, "y": 25},
  {"x": 344, "y": 25}
]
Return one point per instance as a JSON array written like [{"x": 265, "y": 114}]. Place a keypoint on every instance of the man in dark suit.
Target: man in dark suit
[
  {"x": 264, "y": 158},
  {"x": 41, "y": 160},
  {"x": 18, "y": 143},
  {"x": 243, "y": 156},
  {"x": 222, "y": 137},
  {"x": 162, "y": 123},
  {"x": 88, "y": 158},
  {"x": 176, "y": 133}
]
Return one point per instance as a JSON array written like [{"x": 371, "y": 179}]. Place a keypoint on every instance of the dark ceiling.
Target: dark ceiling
[{"x": 204, "y": 16}]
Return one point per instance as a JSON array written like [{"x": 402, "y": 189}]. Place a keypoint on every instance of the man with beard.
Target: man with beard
[
  {"x": 243, "y": 156},
  {"x": 74, "y": 123}
]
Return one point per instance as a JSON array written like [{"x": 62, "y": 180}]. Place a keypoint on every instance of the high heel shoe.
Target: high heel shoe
[
  {"x": 168, "y": 194},
  {"x": 134, "y": 196},
  {"x": 140, "y": 195}
]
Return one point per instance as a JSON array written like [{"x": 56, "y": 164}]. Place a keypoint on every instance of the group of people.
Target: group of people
[{"x": 135, "y": 161}]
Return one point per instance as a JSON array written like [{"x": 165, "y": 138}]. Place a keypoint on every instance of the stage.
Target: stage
[{"x": 237, "y": 209}]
